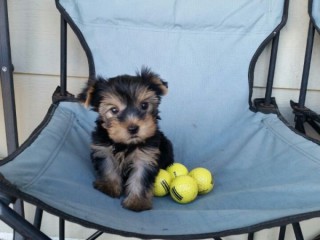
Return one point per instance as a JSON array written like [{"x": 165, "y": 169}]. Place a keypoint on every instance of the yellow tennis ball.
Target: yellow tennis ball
[
  {"x": 162, "y": 183},
  {"x": 177, "y": 169},
  {"x": 203, "y": 178},
  {"x": 183, "y": 189}
]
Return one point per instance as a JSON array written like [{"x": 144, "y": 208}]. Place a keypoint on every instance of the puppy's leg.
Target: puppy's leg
[
  {"x": 139, "y": 186},
  {"x": 139, "y": 189},
  {"x": 109, "y": 179}
]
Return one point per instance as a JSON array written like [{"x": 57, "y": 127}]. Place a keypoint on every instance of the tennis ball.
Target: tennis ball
[
  {"x": 177, "y": 169},
  {"x": 162, "y": 182},
  {"x": 184, "y": 189},
  {"x": 203, "y": 178}
]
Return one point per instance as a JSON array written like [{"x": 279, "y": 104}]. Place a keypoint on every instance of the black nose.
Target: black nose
[{"x": 133, "y": 129}]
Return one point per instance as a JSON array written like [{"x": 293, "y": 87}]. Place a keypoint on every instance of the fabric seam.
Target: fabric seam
[
  {"x": 270, "y": 128},
  {"x": 168, "y": 30},
  {"x": 53, "y": 156}
]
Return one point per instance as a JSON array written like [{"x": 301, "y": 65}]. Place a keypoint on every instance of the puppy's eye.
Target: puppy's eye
[
  {"x": 114, "y": 110},
  {"x": 144, "y": 105}
]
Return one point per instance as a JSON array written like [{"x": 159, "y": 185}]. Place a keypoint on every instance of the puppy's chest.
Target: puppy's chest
[
  {"x": 125, "y": 160},
  {"x": 127, "y": 157},
  {"x": 121, "y": 159}
]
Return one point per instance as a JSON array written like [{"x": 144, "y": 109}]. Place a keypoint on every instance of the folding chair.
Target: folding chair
[
  {"x": 302, "y": 113},
  {"x": 266, "y": 175}
]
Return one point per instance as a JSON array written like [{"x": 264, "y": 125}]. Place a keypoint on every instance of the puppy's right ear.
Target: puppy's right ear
[
  {"x": 85, "y": 96},
  {"x": 92, "y": 93}
]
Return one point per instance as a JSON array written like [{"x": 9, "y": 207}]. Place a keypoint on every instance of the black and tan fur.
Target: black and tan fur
[{"x": 127, "y": 146}]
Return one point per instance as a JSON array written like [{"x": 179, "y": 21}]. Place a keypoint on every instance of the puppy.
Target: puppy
[{"x": 127, "y": 146}]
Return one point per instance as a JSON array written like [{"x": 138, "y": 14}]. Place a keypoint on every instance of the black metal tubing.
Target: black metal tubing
[
  {"x": 63, "y": 57},
  {"x": 297, "y": 231},
  {"x": 272, "y": 67},
  {"x": 300, "y": 119},
  {"x": 260, "y": 49},
  {"x": 6, "y": 78},
  {"x": 9, "y": 107},
  {"x": 63, "y": 89},
  {"x": 13, "y": 219},
  {"x": 301, "y": 114},
  {"x": 251, "y": 236},
  {"x": 18, "y": 223},
  {"x": 282, "y": 232},
  {"x": 38, "y": 218},
  {"x": 61, "y": 229},
  {"x": 313, "y": 123},
  {"x": 96, "y": 235},
  {"x": 18, "y": 207},
  {"x": 268, "y": 104},
  {"x": 306, "y": 66}
]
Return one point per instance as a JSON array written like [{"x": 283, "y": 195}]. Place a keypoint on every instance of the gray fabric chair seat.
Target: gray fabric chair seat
[{"x": 253, "y": 185}]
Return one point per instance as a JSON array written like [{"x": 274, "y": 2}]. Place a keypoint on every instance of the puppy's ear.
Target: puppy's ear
[
  {"x": 90, "y": 95},
  {"x": 85, "y": 96},
  {"x": 160, "y": 86}
]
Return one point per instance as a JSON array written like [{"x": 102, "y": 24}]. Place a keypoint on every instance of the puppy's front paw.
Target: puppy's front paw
[
  {"x": 112, "y": 189},
  {"x": 137, "y": 204}
]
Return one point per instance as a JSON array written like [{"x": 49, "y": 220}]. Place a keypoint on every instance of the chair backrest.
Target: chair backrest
[{"x": 203, "y": 53}]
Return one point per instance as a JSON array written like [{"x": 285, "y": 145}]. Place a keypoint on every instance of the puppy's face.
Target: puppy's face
[
  {"x": 128, "y": 105},
  {"x": 129, "y": 113}
]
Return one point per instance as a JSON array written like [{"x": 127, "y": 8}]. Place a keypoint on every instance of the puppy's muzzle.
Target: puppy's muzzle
[{"x": 133, "y": 129}]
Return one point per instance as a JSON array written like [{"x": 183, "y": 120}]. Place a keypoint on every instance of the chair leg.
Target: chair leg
[
  {"x": 61, "y": 229},
  {"x": 38, "y": 218},
  {"x": 15, "y": 221},
  {"x": 282, "y": 232},
  {"x": 297, "y": 231},
  {"x": 18, "y": 208},
  {"x": 95, "y": 235},
  {"x": 251, "y": 236}
]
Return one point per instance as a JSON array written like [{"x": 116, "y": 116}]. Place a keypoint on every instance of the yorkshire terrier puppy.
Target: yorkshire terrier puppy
[{"x": 127, "y": 146}]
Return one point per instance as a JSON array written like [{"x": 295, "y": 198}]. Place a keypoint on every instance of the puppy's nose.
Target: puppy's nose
[{"x": 133, "y": 129}]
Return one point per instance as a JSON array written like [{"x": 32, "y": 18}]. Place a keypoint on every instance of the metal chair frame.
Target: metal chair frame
[
  {"x": 15, "y": 218},
  {"x": 302, "y": 113}
]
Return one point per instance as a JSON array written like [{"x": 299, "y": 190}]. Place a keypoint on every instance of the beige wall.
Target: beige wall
[{"x": 34, "y": 29}]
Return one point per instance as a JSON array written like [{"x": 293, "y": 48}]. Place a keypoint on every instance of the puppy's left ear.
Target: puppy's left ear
[{"x": 160, "y": 86}]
